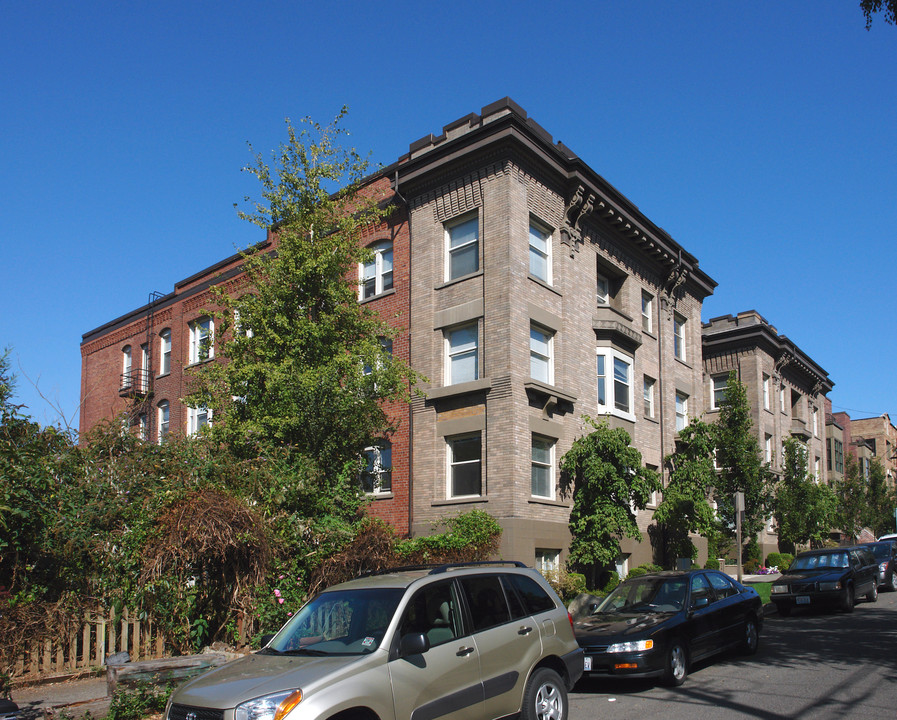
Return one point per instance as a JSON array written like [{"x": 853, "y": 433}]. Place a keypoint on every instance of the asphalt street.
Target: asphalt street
[{"x": 812, "y": 665}]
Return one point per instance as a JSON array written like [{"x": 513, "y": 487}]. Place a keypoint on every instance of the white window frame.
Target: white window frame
[
  {"x": 144, "y": 367},
  {"x": 679, "y": 343},
  {"x": 540, "y": 256},
  {"x": 456, "y": 350},
  {"x": 165, "y": 352},
  {"x": 767, "y": 448},
  {"x": 766, "y": 396},
  {"x": 815, "y": 421},
  {"x": 649, "y": 387},
  {"x": 126, "y": 366},
  {"x": 200, "y": 329},
  {"x": 611, "y": 358},
  {"x": 541, "y": 358},
  {"x": 541, "y": 465},
  {"x": 451, "y": 252},
  {"x": 782, "y": 399},
  {"x": 547, "y": 561},
  {"x": 197, "y": 419},
  {"x": 715, "y": 402},
  {"x": 377, "y": 273},
  {"x": 163, "y": 410},
  {"x": 647, "y": 311},
  {"x": 377, "y": 469},
  {"x": 451, "y": 463},
  {"x": 681, "y": 411},
  {"x": 142, "y": 426},
  {"x": 602, "y": 288}
]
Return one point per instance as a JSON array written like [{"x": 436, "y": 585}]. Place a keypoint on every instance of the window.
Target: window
[
  {"x": 681, "y": 411},
  {"x": 198, "y": 418},
  {"x": 547, "y": 562},
  {"x": 142, "y": 426},
  {"x": 649, "y": 397},
  {"x": 464, "y": 465},
  {"x": 718, "y": 391},
  {"x": 376, "y": 274},
  {"x": 539, "y": 253},
  {"x": 542, "y": 481},
  {"x": 241, "y": 328},
  {"x": 463, "y": 247},
  {"x": 647, "y": 311},
  {"x": 376, "y": 478},
  {"x": 767, "y": 448},
  {"x": 433, "y": 611},
  {"x": 679, "y": 336},
  {"x": 486, "y": 601},
  {"x": 782, "y": 399},
  {"x": 817, "y": 463},
  {"x": 541, "y": 366},
  {"x": 462, "y": 359},
  {"x": 815, "y": 421},
  {"x": 126, "y": 366},
  {"x": 164, "y": 417},
  {"x": 144, "y": 367},
  {"x": 611, "y": 361},
  {"x": 165, "y": 352},
  {"x": 201, "y": 337},
  {"x": 839, "y": 456},
  {"x": 386, "y": 344},
  {"x": 766, "y": 391},
  {"x": 603, "y": 289}
]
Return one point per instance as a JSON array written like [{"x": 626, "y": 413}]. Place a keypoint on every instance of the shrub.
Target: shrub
[
  {"x": 137, "y": 704},
  {"x": 751, "y": 566},
  {"x": 712, "y": 564},
  {"x": 566, "y": 584},
  {"x": 779, "y": 560},
  {"x": 612, "y": 581}
]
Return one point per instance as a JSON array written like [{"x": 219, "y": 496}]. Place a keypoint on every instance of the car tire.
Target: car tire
[
  {"x": 784, "y": 610},
  {"x": 676, "y": 667},
  {"x": 892, "y": 580},
  {"x": 872, "y": 595},
  {"x": 545, "y": 697},
  {"x": 847, "y": 601},
  {"x": 750, "y": 637}
]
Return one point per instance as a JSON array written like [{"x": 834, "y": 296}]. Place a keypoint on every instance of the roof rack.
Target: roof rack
[{"x": 437, "y": 568}]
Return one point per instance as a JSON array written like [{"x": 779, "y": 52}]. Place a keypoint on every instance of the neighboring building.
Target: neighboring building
[
  {"x": 528, "y": 291},
  {"x": 880, "y": 437},
  {"x": 785, "y": 387},
  {"x": 837, "y": 440}
]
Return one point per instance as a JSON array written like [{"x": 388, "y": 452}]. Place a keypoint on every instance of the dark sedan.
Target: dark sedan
[
  {"x": 658, "y": 625},
  {"x": 832, "y": 577},
  {"x": 885, "y": 552}
]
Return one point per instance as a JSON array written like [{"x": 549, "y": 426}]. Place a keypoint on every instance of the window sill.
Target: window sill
[
  {"x": 459, "y": 501},
  {"x": 385, "y": 293},
  {"x": 536, "y": 500},
  {"x": 380, "y": 496},
  {"x": 547, "y": 390},
  {"x": 465, "y": 388},
  {"x": 163, "y": 375},
  {"x": 545, "y": 284},
  {"x": 628, "y": 417},
  {"x": 455, "y": 281},
  {"x": 682, "y": 362},
  {"x": 196, "y": 363}
]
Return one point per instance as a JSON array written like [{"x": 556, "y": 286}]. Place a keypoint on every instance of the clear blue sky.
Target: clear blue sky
[{"x": 761, "y": 135}]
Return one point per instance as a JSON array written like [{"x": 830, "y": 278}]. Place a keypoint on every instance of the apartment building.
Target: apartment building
[
  {"x": 786, "y": 389},
  {"x": 880, "y": 436},
  {"x": 527, "y": 290}
]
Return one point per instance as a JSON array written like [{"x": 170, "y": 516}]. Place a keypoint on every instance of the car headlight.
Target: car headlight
[
  {"x": 830, "y": 585},
  {"x": 269, "y": 707},
  {"x": 634, "y": 646},
  {"x": 780, "y": 588}
]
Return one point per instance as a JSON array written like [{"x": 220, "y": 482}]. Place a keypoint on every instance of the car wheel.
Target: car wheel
[
  {"x": 872, "y": 595},
  {"x": 751, "y": 637},
  {"x": 676, "y": 669},
  {"x": 892, "y": 580},
  {"x": 847, "y": 599},
  {"x": 545, "y": 697},
  {"x": 784, "y": 610}
]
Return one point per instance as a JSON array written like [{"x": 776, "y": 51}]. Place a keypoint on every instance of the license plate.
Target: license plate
[
  {"x": 802, "y": 600},
  {"x": 587, "y": 663}
]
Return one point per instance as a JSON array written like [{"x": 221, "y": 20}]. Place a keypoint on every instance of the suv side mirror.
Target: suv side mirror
[{"x": 413, "y": 644}]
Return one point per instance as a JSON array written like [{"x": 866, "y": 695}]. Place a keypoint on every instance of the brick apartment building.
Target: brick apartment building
[
  {"x": 785, "y": 387},
  {"x": 526, "y": 289},
  {"x": 865, "y": 439}
]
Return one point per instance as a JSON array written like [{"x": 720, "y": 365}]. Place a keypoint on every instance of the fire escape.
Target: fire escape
[{"x": 137, "y": 382}]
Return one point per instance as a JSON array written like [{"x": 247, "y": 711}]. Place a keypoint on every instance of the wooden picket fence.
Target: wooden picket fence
[{"x": 100, "y": 635}]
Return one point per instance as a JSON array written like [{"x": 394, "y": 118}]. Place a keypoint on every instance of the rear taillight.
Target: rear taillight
[{"x": 570, "y": 618}]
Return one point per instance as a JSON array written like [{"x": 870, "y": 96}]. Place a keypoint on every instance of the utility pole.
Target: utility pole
[{"x": 739, "y": 511}]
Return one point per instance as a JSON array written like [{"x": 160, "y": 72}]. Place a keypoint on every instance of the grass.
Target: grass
[{"x": 763, "y": 590}]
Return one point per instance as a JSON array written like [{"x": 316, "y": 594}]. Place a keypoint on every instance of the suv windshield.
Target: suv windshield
[
  {"x": 342, "y": 622},
  {"x": 648, "y": 595},
  {"x": 814, "y": 562}
]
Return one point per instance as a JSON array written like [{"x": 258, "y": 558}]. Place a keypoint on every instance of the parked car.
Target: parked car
[
  {"x": 833, "y": 577},
  {"x": 8, "y": 710},
  {"x": 885, "y": 553},
  {"x": 889, "y": 536},
  {"x": 457, "y": 641},
  {"x": 657, "y": 625}
]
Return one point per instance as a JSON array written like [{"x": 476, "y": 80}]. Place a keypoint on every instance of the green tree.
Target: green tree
[
  {"x": 607, "y": 480},
  {"x": 306, "y": 367},
  {"x": 685, "y": 508},
  {"x": 881, "y": 501},
  {"x": 804, "y": 510},
  {"x": 738, "y": 457},
  {"x": 872, "y": 7},
  {"x": 852, "y": 493}
]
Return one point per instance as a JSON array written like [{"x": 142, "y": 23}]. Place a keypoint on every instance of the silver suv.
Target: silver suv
[{"x": 464, "y": 641}]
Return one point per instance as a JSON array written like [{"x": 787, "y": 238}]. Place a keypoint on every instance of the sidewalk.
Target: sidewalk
[{"x": 76, "y": 696}]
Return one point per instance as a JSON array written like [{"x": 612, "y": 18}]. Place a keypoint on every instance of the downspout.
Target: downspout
[{"x": 410, "y": 405}]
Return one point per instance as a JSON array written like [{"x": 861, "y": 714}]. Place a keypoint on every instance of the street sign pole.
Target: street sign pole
[{"x": 739, "y": 511}]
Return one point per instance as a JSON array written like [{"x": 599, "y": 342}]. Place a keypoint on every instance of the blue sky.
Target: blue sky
[{"x": 762, "y": 136}]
